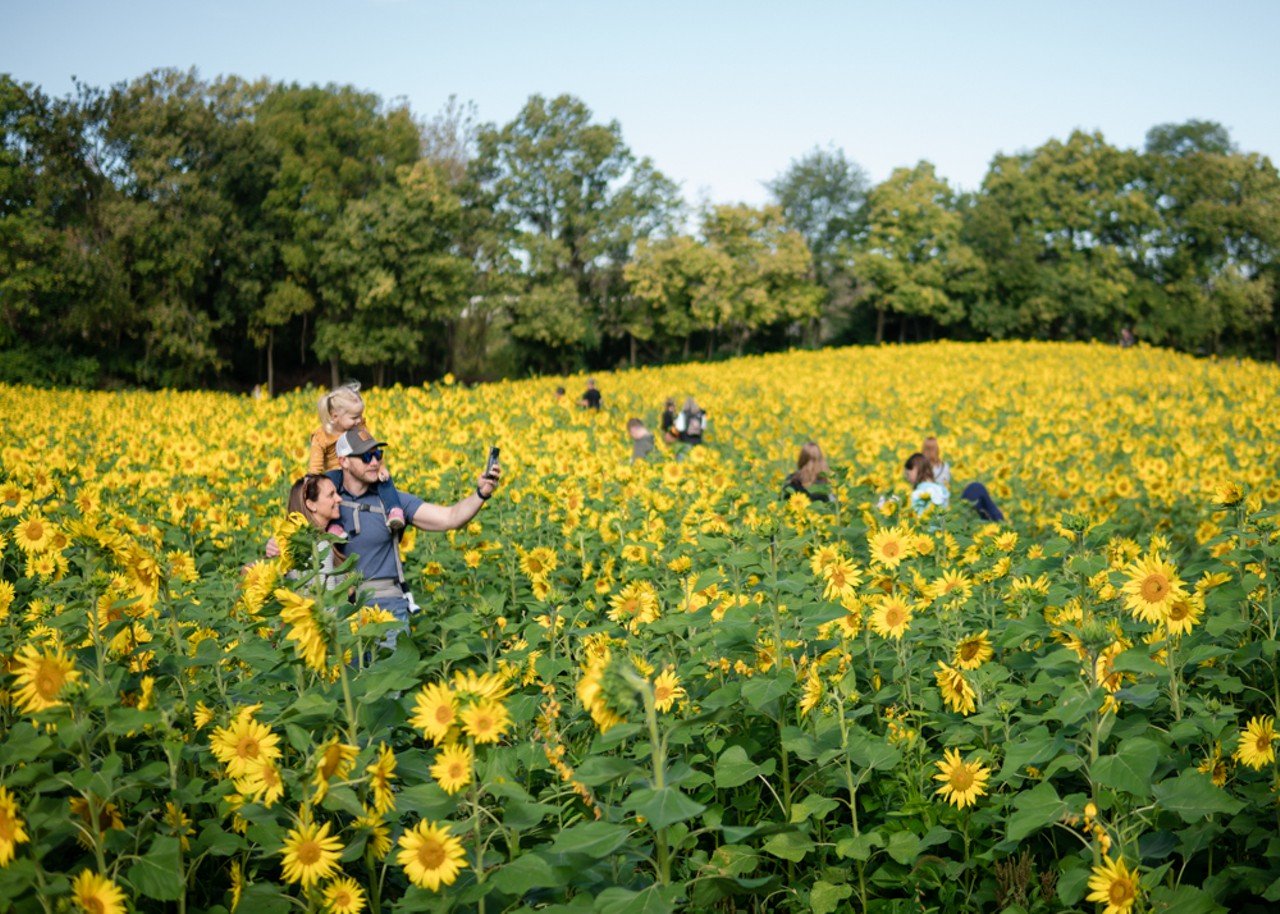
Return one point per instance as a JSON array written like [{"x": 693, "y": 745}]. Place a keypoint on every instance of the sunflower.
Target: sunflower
[
  {"x": 824, "y": 556},
  {"x": 1152, "y": 587},
  {"x": 962, "y": 782},
  {"x": 1214, "y": 765},
  {"x": 305, "y": 629},
  {"x": 33, "y": 533},
  {"x": 1184, "y": 614},
  {"x": 890, "y": 546},
  {"x": 96, "y": 894},
  {"x": 973, "y": 651},
  {"x": 435, "y": 711},
  {"x": 243, "y": 743},
  {"x": 310, "y": 854},
  {"x": 891, "y": 618},
  {"x": 452, "y": 768},
  {"x": 336, "y": 759},
  {"x": 6, "y": 597},
  {"x": 1114, "y": 885},
  {"x": 486, "y": 721},
  {"x": 667, "y": 690},
  {"x": 842, "y": 579},
  {"x": 262, "y": 782},
  {"x": 343, "y": 896},
  {"x": 484, "y": 685},
  {"x": 954, "y": 587},
  {"x": 537, "y": 563},
  {"x": 41, "y": 677},
  {"x": 1256, "y": 747},
  {"x": 12, "y": 831},
  {"x": 591, "y": 693},
  {"x": 813, "y": 690},
  {"x": 431, "y": 857},
  {"x": 382, "y": 772},
  {"x": 956, "y": 691},
  {"x": 635, "y": 605}
]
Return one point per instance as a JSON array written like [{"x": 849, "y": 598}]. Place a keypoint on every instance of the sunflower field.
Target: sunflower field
[{"x": 658, "y": 685}]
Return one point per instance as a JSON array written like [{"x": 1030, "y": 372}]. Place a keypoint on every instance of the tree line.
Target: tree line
[{"x": 177, "y": 231}]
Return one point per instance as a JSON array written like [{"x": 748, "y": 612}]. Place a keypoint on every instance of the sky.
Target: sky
[{"x": 722, "y": 96}]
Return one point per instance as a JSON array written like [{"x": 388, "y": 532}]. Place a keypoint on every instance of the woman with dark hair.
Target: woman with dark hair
[
  {"x": 315, "y": 497},
  {"x": 810, "y": 477}
]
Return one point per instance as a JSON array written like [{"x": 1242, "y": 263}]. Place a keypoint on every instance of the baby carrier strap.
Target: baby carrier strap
[{"x": 357, "y": 508}]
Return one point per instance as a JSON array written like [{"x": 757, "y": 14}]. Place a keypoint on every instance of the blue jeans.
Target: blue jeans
[
  {"x": 976, "y": 494},
  {"x": 402, "y": 609}
]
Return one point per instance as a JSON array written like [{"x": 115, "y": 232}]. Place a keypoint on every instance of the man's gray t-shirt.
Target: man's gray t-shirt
[{"x": 374, "y": 545}]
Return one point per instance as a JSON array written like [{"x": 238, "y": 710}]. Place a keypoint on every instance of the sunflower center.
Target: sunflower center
[
  {"x": 961, "y": 779},
  {"x": 1120, "y": 892},
  {"x": 890, "y": 549},
  {"x": 1155, "y": 587},
  {"x": 968, "y": 650},
  {"x": 247, "y": 747},
  {"x": 1263, "y": 742},
  {"x": 661, "y": 693},
  {"x": 6, "y": 828},
  {"x": 35, "y": 531},
  {"x": 444, "y": 714},
  {"x": 93, "y": 904},
  {"x": 1177, "y": 612},
  {"x": 308, "y": 853},
  {"x": 48, "y": 681},
  {"x": 431, "y": 854},
  {"x": 893, "y": 617}
]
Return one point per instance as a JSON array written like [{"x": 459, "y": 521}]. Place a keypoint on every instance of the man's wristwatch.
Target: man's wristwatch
[{"x": 482, "y": 496}]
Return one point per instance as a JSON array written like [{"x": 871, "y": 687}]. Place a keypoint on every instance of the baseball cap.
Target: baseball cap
[{"x": 356, "y": 441}]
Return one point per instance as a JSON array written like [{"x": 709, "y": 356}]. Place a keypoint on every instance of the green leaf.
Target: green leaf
[
  {"x": 595, "y": 839},
  {"x": 789, "y": 845},
  {"x": 872, "y": 752},
  {"x": 264, "y": 898},
  {"x": 1130, "y": 768},
  {"x": 904, "y": 847},
  {"x": 825, "y": 897},
  {"x": 859, "y": 847},
  {"x": 1193, "y": 796},
  {"x": 1032, "y": 748},
  {"x": 764, "y": 690},
  {"x": 1185, "y": 899},
  {"x": 1072, "y": 880},
  {"x": 601, "y": 769},
  {"x": 655, "y": 899},
  {"x": 528, "y": 871},
  {"x": 158, "y": 874},
  {"x": 1034, "y": 809},
  {"x": 734, "y": 768},
  {"x": 664, "y": 807},
  {"x": 812, "y": 805}
]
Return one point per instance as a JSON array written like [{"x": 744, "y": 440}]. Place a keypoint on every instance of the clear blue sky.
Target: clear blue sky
[{"x": 722, "y": 95}]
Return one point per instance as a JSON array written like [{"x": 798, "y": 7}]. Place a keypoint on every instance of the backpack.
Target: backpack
[{"x": 693, "y": 425}]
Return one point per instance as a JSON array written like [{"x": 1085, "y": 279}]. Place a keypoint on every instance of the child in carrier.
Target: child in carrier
[{"x": 341, "y": 410}]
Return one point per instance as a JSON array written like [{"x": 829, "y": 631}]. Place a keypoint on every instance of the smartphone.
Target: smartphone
[{"x": 491, "y": 462}]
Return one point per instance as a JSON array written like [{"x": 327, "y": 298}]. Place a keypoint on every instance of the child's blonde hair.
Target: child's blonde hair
[{"x": 344, "y": 399}]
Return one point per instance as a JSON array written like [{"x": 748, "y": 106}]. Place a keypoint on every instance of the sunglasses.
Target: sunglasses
[{"x": 371, "y": 456}]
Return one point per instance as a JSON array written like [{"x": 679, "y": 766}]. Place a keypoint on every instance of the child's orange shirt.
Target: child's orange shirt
[{"x": 324, "y": 456}]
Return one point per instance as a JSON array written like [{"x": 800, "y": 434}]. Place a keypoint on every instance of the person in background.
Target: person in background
[
  {"x": 590, "y": 396},
  {"x": 341, "y": 410},
  {"x": 941, "y": 469},
  {"x": 925, "y": 490},
  {"x": 641, "y": 440},
  {"x": 691, "y": 423},
  {"x": 810, "y": 477},
  {"x": 668, "y": 422}
]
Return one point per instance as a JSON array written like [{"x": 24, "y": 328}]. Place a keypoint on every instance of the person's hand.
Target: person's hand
[
  {"x": 273, "y": 548},
  {"x": 487, "y": 483},
  {"x": 383, "y": 475}
]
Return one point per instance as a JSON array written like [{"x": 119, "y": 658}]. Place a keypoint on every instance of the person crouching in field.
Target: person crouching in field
[
  {"x": 927, "y": 490},
  {"x": 341, "y": 410},
  {"x": 810, "y": 477}
]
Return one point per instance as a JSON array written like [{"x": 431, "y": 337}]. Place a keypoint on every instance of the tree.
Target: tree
[
  {"x": 912, "y": 256},
  {"x": 392, "y": 277},
  {"x": 1063, "y": 231},
  {"x": 823, "y": 196},
  {"x": 750, "y": 272},
  {"x": 1215, "y": 247},
  {"x": 330, "y": 145},
  {"x": 579, "y": 201}
]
